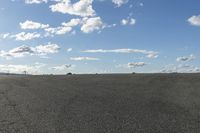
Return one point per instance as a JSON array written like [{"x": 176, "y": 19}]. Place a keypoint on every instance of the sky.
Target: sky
[{"x": 99, "y": 36}]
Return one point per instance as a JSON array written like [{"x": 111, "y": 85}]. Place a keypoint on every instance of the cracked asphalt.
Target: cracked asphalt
[{"x": 126, "y": 103}]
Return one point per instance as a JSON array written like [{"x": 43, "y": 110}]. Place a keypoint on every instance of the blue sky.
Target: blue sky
[{"x": 99, "y": 36}]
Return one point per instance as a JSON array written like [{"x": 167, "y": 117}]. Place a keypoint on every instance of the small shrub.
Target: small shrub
[{"x": 69, "y": 73}]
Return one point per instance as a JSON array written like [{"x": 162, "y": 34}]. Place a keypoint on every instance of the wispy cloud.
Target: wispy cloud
[
  {"x": 84, "y": 59},
  {"x": 120, "y": 2},
  {"x": 35, "y": 1},
  {"x": 136, "y": 64},
  {"x": 22, "y": 36},
  {"x": 149, "y": 54},
  {"x": 58, "y": 30},
  {"x": 132, "y": 65},
  {"x": 4, "y": 35},
  {"x": 62, "y": 67},
  {"x": 180, "y": 68}
]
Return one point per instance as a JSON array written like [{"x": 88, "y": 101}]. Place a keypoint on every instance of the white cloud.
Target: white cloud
[
  {"x": 141, "y": 4},
  {"x": 20, "y": 69},
  {"x": 25, "y": 36},
  {"x": 22, "y": 36},
  {"x": 62, "y": 67},
  {"x": 136, "y": 64},
  {"x": 39, "y": 65},
  {"x": 35, "y": 1},
  {"x": 194, "y": 20},
  {"x": 152, "y": 55},
  {"x": 32, "y": 25},
  {"x": 180, "y": 68},
  {"x": 124, "y": 21},
  {"x": 65, "y": 28},
  {"x": 186, "y": 58},
  {"x": 20, "y": 51},
  {"x": 119, "y": 2},
  {"x": 4, "y": 36},
  {"x": 81, "y": 8},
  {"x": 46, "y": 49},
  {"x": 169, "y": 68},
  {"x": 149, "y": 54},
  {"x": 58, "y": 30},
  {"x": 24, "y": 50},
  {"x": 132, "y": 65},
  {"x": 69, "y": 49},
  {"x": 128, "y": 21},
  {"x": 195, "y": 69},
  {"x": 132, "y": 21},
  {"x": 88, "y": 25},
  {"x": 84, "y": 58},
  {"x": 92, "y": 24},
  {"x": 72, "y": 22}
]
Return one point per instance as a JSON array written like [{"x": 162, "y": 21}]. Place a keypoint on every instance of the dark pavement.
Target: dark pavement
[{"x": 138, "y": 103}]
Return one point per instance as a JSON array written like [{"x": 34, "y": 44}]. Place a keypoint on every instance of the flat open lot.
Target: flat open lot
[{"x": 140, "y": 103}]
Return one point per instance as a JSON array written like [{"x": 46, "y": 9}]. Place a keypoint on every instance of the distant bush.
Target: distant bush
[
  {"x": 69, "y": 73},
  {"x": 133, "y": 73}
]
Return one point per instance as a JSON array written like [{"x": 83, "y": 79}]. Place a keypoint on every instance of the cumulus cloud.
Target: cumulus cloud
[
  {"x": 32, "y": 25},
  {"x": 81, "y": 8},
  {"x": 25, "y": 36},
  {"x": 66, "y": 27},
  {"x": 62, "y": 67},
  {"x": 35, "y": 1},
  {"x": 49, "y": 48},
  {"x": 92, "y": 24},
  {"x": 186, "y": 58},
  {"x": 194, "y": 20},
  {"x": 129, "y": 21},
  {"x": 88, "y": 25},
  {"x": 119, "y": 2},
  {"x": 84, "y": 58},
  {"x": 73, "y": 22},
  {"x": 149, "y": 54},
  {"x": 24, "y": 50}
]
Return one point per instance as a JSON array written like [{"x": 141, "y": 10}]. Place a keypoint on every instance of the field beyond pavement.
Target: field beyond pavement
[{"x": 126, "y": 103}]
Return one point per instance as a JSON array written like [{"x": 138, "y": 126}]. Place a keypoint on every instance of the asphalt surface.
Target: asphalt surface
[{"x": 140, "y": 103}]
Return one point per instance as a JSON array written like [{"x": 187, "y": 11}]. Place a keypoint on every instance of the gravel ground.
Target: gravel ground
[{"x": 126, "y": 103}]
